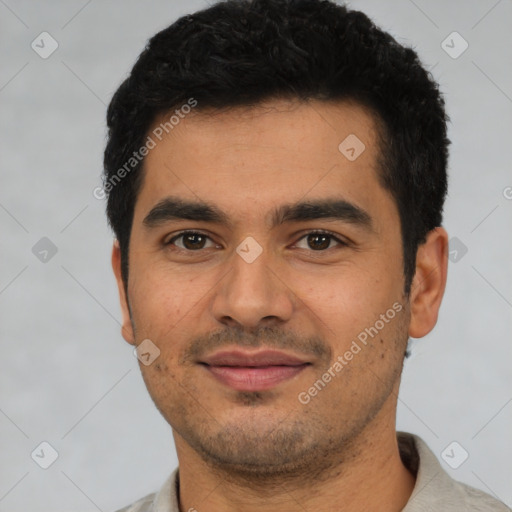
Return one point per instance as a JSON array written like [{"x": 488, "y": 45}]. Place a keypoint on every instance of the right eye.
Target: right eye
[{"x": 191, "y": 241}]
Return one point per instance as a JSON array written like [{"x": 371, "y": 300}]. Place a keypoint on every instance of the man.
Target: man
[{"x": 276, "y": 173}]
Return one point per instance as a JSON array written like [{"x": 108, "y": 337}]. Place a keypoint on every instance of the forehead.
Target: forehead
[
  {"x": 301, "y": 129},
  {"x": 245, "y": 157}
]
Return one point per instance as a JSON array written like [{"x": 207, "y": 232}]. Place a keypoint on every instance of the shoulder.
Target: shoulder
[
  {"x": 469, "y": 499},
  {"x": 435, "y": 489}
]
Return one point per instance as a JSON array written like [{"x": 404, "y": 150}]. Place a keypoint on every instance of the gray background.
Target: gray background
[{"x": 66, "y": 375}]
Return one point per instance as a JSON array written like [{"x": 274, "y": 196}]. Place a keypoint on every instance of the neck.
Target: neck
[{"x": 369, "y": 476}]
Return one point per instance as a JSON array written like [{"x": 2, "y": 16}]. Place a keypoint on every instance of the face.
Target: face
[{"x": 266, "y": 266}]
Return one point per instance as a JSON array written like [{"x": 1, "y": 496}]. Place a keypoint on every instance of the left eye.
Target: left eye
[{"x": 320, "y": 240}]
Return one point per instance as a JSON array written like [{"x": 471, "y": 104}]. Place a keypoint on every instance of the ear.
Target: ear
[
  {"x": 429, "y": 282},
  {"x": 127, "y": 328}
]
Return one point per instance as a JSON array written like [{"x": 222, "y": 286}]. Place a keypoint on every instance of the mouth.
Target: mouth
[{"x": 244, "y": 371}]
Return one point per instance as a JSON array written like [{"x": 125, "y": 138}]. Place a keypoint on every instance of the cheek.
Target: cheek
[
  {"x": 354, "y": 309},
  {"x": 156, "y": 309},
  {"x": 160, "y": 295},
  {"x": 343, "y": 301},
  {"x": 162, "y": 383}
]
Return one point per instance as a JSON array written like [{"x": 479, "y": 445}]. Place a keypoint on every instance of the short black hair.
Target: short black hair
[{"x": 243, "y": 52}]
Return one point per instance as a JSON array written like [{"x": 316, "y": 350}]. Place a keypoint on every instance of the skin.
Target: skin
[{"x": 241, "y": 451}]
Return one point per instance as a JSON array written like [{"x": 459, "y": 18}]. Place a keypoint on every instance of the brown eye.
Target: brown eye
[
  {"x": 193, "y": 241},
  {"x": 190, "y": 241},
  {"x": 320, "y": 241}
]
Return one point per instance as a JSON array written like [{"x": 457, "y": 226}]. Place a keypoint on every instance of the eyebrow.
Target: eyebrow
[{"x": 173, "y": 208}]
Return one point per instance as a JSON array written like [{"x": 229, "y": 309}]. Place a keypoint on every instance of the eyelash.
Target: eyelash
[{"x": 313, "y": 232}]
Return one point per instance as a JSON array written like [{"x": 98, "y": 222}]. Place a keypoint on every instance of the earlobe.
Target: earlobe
[
  {"x": 126, "y": 328},
  {"x": 429, "y": 282}
]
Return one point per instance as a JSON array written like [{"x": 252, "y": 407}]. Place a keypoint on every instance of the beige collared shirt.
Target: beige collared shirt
[{"x": 434, "y": 491}]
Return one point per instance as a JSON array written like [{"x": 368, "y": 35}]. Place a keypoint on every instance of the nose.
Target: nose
[{"x": 253, "y": 293}]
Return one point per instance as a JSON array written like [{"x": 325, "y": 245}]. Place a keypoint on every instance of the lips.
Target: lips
[
  {"x": 257, "y": 371},
  {"x": 256, "y": 359}
]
